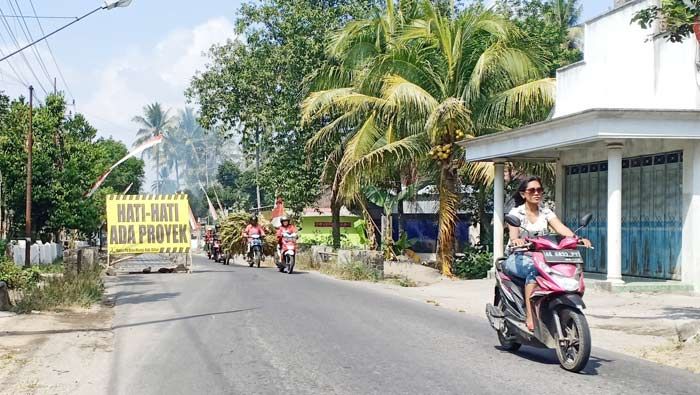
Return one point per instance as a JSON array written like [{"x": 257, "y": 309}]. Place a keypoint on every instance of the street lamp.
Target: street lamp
[{"x": 108, "y": 5}]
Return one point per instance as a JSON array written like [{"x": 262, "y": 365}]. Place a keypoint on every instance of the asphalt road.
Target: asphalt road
[{"x": 241, "y": 330}]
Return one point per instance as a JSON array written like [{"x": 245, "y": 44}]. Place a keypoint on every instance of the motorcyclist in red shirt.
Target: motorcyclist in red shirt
[
  {"x": 253, "y": 228},
  {"x": 286, "y": 227}
]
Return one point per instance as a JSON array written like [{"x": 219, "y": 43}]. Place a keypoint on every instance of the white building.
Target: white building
[{"x": 625, "y": 136}]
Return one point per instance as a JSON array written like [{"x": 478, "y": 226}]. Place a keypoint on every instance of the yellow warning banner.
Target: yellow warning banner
[{"x": 148, "y": 223}]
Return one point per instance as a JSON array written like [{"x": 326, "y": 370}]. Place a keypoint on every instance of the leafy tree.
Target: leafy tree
[
  {"x": 253, "y": 86},
  {"x": 238, "y": 187},
  {"x": 66, "y": 161},
  {"x": 680, "y": 17},
  {"x": 550, "y": 25},
  {"x": 443, "y": 77}
]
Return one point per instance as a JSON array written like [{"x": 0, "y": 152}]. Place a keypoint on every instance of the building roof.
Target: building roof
[{"x": 545, "y": 140}]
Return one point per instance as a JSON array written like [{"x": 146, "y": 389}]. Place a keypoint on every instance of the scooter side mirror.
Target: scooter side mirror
[
  {"x": 585, "y": 220},
  {"x": 513, "y": 220}
]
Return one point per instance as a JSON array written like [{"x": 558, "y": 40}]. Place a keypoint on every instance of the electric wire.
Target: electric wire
[
  {"x": 24, "y": 27},
  {"x": 38, "y": 17},
  {"x": 18, "y": 75},
  {"x": 21, "y": 54},
  {"x": 60, "y": 72}
]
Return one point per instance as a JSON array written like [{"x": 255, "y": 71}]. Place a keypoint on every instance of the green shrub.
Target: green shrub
[
  {"x": 55, "y": 293},
  {"x": 474, "y": 265},
  {"x": 355, "y": 271},
  {"x": 18, "y": 278}
]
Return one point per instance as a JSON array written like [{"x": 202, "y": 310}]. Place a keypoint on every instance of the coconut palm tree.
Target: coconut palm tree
[
  {"x": 442, "y": 79},
  {"x": 155, "y": 121},
  {"x": 183, "y": 143}
]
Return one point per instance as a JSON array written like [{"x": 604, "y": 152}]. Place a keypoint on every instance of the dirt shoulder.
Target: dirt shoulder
[
  {"x": 50, "y": 353},
  {"x": 643, "y": 325}
]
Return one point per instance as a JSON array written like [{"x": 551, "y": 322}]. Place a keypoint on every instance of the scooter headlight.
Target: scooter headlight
[{"x": 568, "y": 283}]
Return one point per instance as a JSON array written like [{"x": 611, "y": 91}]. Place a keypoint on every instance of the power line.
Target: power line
[
  {"x": 19, "y": 76},
  {"x": 38, "y": 17},
  {"x": 7, "y": 26},
  {"x": 28, "y": 35},
  {"x": 60, "y": 73}
]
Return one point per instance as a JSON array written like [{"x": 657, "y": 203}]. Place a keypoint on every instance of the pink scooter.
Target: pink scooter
[{"x": 557, "y": 302}]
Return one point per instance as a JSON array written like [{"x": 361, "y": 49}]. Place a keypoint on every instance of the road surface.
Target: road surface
[{"x": 241, "y": 330}]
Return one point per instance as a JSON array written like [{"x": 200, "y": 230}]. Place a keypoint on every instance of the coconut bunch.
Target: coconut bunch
[
  {"x": 232, "y": 241},
  {"x": 441, "y": 152}
]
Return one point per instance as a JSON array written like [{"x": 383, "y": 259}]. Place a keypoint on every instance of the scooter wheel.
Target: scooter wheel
[{"x": 574, "y": 356}]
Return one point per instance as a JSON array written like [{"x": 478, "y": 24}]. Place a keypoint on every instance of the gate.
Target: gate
[{"x": 651, "y": 213}]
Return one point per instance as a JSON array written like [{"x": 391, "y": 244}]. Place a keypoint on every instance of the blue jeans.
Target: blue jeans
[{"x": 522, "y": 266}]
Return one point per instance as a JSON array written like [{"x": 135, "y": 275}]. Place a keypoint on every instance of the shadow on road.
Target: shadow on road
[
  {"x": 549, "y": 357},
  {"x": 127, "y": 297},
  {"x": 187, "y": 317},
  {"x": 79, "y": 330}
]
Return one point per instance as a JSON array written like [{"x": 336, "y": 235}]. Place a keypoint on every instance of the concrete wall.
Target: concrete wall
[
  {"x": 40, "y": 253},
  {"x": 624, "y": 67}
]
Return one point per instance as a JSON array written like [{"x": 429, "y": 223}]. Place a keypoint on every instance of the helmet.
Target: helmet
[
  {"x": 284, "y": 218},
  {"x": 253, "y": 218}
]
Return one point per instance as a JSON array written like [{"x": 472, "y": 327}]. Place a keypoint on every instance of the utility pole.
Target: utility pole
[
  {"x": 54, "y": 86},
  {"x": 257, "y": 167},
  {"x": 28, "y": 207}
]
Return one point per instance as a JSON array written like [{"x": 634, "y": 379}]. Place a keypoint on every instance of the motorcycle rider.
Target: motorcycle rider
[
  {"x": 537, "y": 220},
  {"x": 253, "y": 228},
  {"x": 285, "y": 227}
]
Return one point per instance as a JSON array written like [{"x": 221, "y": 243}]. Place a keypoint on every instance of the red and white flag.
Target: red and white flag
[
  {"x": 212, "y": 211},
  {"x": 148, "y": 144},
  {"x": 193, "y": 221}
]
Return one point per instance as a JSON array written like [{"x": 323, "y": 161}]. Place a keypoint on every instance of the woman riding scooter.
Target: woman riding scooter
[{"x": 537, "y": 220}]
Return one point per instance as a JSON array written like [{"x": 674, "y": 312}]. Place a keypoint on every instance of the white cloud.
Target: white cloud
[{"x": 140, "y": 76}]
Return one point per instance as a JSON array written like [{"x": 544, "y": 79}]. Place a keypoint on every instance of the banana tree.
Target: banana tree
[{"x": 388, "y": 200}]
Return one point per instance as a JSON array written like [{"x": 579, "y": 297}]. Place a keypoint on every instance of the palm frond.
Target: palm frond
[
  {"x": 451, "y": 114},
  {"x": 407, "y": 97},
  {"x": 518, "y": 101}
]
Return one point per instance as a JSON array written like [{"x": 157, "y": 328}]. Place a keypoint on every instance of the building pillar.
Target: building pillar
[
  {"x": 615, "y": 213},
  {"x": 498, "y": 203},
  {"x": 691, "y": 226},
  {"x": 559, "y": 189}
]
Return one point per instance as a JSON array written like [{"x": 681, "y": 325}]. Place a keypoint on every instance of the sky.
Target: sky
[{"x": 117, "y": 61}]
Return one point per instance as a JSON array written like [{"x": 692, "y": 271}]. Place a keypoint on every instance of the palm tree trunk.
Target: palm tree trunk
[
  {"x": 157, "y": 170},
  {"x": 335, "y": 211},
  {"x": 177, "y": 174},
  {"x": 447, "y": 221}
]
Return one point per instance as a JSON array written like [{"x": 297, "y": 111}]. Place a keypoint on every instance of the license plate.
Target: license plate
[{"x": 562, "y": 256}]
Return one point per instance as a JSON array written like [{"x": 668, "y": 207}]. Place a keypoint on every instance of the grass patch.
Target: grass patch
[
  {"x": 58, "y": 293},
  {"x": 355, "y": 271},
  {"x": 304, "y": 262},
  {"x": 53, "y": 268}
]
